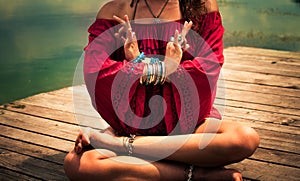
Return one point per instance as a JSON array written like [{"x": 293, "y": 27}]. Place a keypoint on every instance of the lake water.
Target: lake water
[{"x": 41, "y": 40}]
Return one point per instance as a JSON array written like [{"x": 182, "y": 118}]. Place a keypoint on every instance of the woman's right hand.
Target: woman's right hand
[
  {"x": 131, "y": 48},
  {"x": 82, "y": 140}
]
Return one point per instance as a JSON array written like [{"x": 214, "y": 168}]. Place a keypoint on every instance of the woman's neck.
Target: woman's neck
[{"x": 170, "y": 12}]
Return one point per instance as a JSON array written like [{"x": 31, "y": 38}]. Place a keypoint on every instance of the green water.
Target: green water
[{"x": 41, "y": 40}]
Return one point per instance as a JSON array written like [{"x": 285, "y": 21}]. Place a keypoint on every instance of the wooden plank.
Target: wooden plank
[
  {"x": 264, "y": 99},
  {"x": 263, "y": 125},
  {"x": 280, "y": 141},
  {"x": 277, "y": 157},
  {"x": 29, "y": 149},
  {"x": 31, "y": 166},
  {"x": 52, "y": 117},
  {"x": 37, "y": 139},
  {"x": 287, "y": 143},
  {"x": 259, "y": 107},
  {"x": 9, "y": 175},
  {"x": 41, "y": 111},
  {"x": 266, "y": 171},
  {"x": 261, "y": 61},
  {"x": 260, "y": 88},
  {"x": 260, "y": 116},
  {"x": 57, "y": 115},
  {"x": 63, "y": 103},
  {"x": 264, "y": 52},
  {"x": 261, "y": 79},
  {"x": 62, "y": 100},
  {"x": 39, "y": 125},
  {"x": 243, "y": 67}
]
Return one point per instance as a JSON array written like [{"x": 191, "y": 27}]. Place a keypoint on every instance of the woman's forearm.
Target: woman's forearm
[
  {"x": 209, "y": 146},
  {"x": 192, "y": 148}
]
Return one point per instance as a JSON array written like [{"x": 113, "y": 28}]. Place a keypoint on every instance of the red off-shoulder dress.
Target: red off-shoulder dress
[{"x": 124, "y": 103}]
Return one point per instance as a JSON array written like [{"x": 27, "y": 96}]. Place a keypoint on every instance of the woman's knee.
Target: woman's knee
[
  {"x": 245, "y": 141},
  {"x": 71, "y": 164}
]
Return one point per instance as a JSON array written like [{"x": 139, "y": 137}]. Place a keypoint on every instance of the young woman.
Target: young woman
[{"x": 142, "y": 49}]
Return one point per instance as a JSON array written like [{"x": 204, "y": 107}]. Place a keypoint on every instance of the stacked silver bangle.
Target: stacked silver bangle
[{"x": 154, "y": 70}]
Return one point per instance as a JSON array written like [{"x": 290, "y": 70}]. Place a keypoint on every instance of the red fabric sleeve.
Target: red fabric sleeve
[
  {"x": 103, "y": 60},
  {"x": 206, "y": 65}
]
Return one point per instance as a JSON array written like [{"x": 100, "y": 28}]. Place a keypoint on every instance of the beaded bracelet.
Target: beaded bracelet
[{"x": 139, "y": 58}]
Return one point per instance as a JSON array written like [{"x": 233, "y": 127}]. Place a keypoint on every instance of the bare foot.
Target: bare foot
[{"x": 217, "y": 174}]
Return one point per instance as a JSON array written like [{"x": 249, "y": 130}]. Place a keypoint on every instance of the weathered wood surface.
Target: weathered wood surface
[{"x": 262, "y": 90}]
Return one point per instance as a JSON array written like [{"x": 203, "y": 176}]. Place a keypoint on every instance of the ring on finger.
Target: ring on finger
[{"x": 180, "y": 40}]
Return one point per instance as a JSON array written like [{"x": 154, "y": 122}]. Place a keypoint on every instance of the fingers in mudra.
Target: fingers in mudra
[
  {"x": 186, "y": 28},
  {"x": 125, "y": 27},
  {"x": 181, "y": 38},
  {"x": 128, "y": 36}
]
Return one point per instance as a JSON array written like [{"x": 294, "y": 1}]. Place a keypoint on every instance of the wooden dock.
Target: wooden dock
[{"x": 262, "y": 90}]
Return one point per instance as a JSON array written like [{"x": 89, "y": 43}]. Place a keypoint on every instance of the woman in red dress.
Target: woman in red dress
[{"x": 152, "y": 76}]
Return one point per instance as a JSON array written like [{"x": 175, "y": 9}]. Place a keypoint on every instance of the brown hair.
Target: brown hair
[{"x": 191, "y": 9}]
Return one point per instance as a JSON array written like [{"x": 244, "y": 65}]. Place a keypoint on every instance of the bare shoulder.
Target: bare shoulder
[
  {"x": 113, "y": 7},
  {"x": 211, "y": 5}
]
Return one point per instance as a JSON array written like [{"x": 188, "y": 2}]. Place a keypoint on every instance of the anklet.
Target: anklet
[{"x": 188, "y": 172}]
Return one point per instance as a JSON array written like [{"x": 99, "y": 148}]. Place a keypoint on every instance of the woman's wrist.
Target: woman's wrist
[
  {"x": 133, "y": 56},
  {"x": 105, "y": 140},
  {"x": 154, "y": 71},
  {"x": 171, "y": 66}
]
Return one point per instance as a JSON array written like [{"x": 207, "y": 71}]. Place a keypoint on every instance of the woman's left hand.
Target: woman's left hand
[
  {"x": 82, "y": 140},
  {"x": 131, "y": 47}
]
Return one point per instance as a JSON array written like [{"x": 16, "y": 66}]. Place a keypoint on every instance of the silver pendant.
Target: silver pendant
[{"x": 156, "y": 20}]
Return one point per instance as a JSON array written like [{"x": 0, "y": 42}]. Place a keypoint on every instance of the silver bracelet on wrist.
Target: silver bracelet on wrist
[
  {"x": 128, "y": 144},
  {"x": 154, "y": 72}
]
